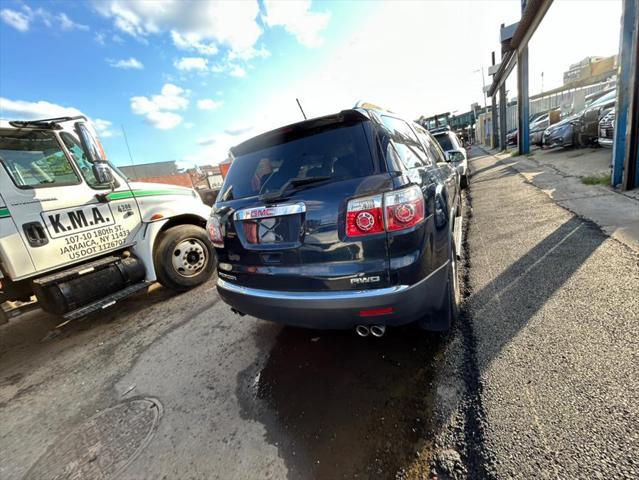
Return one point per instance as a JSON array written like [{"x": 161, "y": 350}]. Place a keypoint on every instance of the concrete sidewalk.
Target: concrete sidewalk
[
  {"x": 559, "y": 173},
  {"x": 552, "y": 313}
]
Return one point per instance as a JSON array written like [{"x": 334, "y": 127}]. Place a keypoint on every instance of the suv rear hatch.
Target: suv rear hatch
[{"x": 283, "y": 207}]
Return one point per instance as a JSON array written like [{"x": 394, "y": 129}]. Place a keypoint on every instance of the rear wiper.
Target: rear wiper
[{"x": 293, "y": 182}]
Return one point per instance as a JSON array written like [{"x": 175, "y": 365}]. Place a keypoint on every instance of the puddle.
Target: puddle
[{"x": 339, "y": 406}]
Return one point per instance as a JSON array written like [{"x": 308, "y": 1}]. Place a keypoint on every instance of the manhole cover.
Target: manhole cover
[{"x": 103, "y": 446}]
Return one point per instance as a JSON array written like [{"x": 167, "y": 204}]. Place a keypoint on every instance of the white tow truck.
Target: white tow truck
[{"x": 78, "y": 235}]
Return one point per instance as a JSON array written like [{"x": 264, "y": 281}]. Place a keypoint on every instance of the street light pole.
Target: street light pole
[{"x": 483, "y": 83}]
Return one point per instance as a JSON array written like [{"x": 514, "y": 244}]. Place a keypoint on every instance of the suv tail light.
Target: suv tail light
[
  {"x": 391, "y": 212},
  {"x": 364, "y": 216},
  {"x": 403, "y": 208},
  {"x": 216, "y": 234}
]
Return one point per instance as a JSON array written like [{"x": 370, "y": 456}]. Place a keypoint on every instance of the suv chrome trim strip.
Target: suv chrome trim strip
[
  {"x": 272, "y": 211},
  {"x": 328, "y": 295}
]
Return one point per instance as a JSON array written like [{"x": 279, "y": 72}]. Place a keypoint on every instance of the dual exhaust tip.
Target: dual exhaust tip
[{"x": 375, "y": 330}]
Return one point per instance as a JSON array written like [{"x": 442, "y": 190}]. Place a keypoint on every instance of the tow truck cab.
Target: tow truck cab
[{"x": 77, "y": 234}]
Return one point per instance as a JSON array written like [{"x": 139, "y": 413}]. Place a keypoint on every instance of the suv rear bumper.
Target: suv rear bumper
[{"x": 341, "y": 309}]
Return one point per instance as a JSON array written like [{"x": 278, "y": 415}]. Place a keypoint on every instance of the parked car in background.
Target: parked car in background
[
  {"x": 560, "y": 134},
  {"x": 587, "y": 125},
  {"x": 349, "y": 220},
  {"x": 512, "y": 137},
  {"x": 607, "y": 128},
  {"x": 455, "y": 152},
  {"x": 537, "y": 128}
]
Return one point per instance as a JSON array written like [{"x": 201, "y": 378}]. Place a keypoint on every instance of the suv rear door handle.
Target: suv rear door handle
[{"x": 36, "y": 236}]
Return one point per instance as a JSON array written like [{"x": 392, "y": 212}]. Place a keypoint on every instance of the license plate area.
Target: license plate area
[{"x": 271, "y": 228}]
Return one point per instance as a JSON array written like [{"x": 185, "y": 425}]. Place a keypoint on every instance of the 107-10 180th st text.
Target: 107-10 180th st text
[{"x": 92, "y": 242}]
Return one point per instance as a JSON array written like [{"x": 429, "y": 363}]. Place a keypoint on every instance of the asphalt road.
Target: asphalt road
[{"x": 236, "y": 397}]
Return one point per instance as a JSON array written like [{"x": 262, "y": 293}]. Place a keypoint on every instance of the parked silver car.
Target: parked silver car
[{"x": 607, "y": 128}]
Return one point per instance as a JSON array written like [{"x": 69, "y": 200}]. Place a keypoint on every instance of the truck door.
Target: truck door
[{"x": 59, "y": 208}]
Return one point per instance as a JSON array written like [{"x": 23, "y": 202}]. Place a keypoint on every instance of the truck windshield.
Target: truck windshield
[
  {"x": 34, "y": 159},
  {"x": 332, "y": 153}
]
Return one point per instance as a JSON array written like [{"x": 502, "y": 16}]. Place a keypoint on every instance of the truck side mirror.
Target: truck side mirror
[
  {"x": 95, "y": 154},
  {"x": 90, "y": 144}
]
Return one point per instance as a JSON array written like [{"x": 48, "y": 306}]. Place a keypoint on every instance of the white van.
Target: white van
[{"x": 77, "y": 234}]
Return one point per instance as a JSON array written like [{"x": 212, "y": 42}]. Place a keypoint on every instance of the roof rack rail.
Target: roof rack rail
[{"x": 52, "y": 123}]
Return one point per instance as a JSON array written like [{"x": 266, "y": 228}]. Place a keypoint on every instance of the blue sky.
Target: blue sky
[{"x": 187, "y": 81}]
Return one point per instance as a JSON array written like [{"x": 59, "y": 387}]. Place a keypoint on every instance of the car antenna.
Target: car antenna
[{"x": 301, "y": 109}]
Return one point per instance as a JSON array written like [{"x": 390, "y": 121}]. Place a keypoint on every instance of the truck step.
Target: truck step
[
  {"x": 105, "y": 302},
  {"x": 76, "y": 271}
]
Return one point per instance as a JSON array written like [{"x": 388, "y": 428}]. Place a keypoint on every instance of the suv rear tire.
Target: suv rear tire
[{"x": 184, "y": 257}]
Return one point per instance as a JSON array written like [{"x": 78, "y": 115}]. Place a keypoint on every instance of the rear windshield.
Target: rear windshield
[
  {"x": 446, "y": 142},
  {"x": 337, "y": 151}
]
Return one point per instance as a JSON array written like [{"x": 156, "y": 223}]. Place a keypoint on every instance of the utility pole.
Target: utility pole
[{"x": 126, "y": 141}]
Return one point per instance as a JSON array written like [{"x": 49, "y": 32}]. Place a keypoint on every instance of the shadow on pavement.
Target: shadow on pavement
[
  {"x": 340, "y": 406},
  {"x": 495, "y": 314}
]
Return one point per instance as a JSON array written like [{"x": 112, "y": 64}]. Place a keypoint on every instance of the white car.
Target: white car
[{"x": 455, "y": 153}]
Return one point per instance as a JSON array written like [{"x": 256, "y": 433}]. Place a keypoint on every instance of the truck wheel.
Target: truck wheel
[
  {"x": 464, "y": 181},
  {"x": 184, "y": 257}
]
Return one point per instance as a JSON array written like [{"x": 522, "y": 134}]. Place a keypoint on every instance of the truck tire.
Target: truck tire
[
  {"x": 184, "y": 257},
  {"x": 464, "y": 181}
]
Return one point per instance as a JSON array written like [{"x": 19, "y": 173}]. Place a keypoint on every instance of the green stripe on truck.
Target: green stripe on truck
[
  {"x": 4, "y": 212},
  {"x": 145, "y": 193}
]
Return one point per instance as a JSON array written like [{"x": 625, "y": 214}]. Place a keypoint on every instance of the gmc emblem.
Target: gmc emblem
[{"x": 264, "y": 212}]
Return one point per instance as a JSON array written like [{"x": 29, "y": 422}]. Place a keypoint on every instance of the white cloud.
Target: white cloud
[
  {"x": 159, "y": 110},
  {"x": 298, "y": 20},
  {"x": 18, "y": 20},
  {"x": 129, "y": 64},
  {"x": 103, "y": 127},
  {"x": 191, "y": 41},
  {"x": 67, "y": 24},
  {"x": 208, "y": 104},
  {"x": 196, "y": 26},
  {"x": 237, "y": 71},
  {"x": 22, "y": 20},
  {"x": 23, "y": 110},
  {"x": 250, "y": 54},
  {"x": 191, "y": 63}
]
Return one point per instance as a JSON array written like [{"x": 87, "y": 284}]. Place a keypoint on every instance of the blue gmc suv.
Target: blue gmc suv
[{"x": 351, "y": 220}]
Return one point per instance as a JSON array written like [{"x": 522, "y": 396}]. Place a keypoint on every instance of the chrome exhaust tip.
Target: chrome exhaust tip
[
  {"x": 378, "y": 330},
  {"x": 362, "y": 330}
]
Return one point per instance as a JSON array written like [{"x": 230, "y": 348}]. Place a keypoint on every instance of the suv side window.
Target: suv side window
[
  {"x": 405, "y": 143},
  {"x": 425, "y": 138},
  {"x": 433, "y": 148}
]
